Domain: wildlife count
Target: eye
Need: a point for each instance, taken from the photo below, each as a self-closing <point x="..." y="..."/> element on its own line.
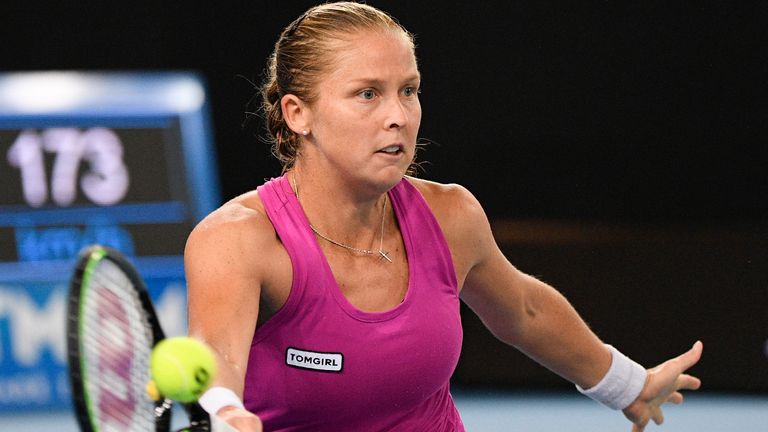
<point x="367" y="94"/>
<point x="411" y="91"/>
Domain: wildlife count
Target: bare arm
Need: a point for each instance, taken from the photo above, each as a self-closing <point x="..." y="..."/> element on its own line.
<point x="532" y="316"/>
<point x="223" y="297"/>
<point x="225" y="261"/>
<point x="538" y="320"/>
<point x="523" y="311"/>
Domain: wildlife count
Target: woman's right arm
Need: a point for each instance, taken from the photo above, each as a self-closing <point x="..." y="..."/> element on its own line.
<point x="226" y="260"/>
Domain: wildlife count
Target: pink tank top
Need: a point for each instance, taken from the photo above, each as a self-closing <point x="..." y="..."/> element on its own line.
<point x="320" y="364"/>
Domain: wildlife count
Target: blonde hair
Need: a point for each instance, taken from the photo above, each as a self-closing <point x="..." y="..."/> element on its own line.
<point x="302" y="54"/>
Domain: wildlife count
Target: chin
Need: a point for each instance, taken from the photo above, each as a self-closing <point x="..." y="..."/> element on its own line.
<point x="389" y="179"/>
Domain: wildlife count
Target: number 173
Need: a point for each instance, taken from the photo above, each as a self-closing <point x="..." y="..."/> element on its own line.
<point x="105" y="182"/>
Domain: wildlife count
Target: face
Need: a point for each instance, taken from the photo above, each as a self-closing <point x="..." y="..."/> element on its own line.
<point x="366" y="118"/>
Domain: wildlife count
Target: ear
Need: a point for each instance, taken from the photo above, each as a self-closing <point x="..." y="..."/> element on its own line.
<point x="296" y="113"/>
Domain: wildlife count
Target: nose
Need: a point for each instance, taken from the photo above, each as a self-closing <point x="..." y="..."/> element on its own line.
<point x="397" y="115"/>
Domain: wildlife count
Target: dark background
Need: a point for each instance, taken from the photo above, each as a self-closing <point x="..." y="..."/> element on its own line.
<point x="618" y="147"/>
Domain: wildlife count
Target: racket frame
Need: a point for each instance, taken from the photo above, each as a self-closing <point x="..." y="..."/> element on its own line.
<point x="84" y="267"/>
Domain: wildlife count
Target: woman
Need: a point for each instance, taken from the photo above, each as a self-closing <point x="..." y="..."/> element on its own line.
<point x="331" y="294"/>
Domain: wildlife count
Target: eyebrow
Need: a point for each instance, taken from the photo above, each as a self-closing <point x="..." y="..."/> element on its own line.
<point x="374" y="82"/>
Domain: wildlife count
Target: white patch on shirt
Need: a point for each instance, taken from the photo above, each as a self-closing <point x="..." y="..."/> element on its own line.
<point x="319" y="361"/>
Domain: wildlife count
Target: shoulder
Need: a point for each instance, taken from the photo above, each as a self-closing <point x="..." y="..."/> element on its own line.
<point x="452" y="204"/>
<point x="242" y="215"/>
<point x="233" y="233"/>
<point x="462" y="220"/>
<point x="439" y="194"/>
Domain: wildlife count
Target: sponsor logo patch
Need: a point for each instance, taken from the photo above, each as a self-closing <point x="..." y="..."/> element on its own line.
<point x="313" y="360"/>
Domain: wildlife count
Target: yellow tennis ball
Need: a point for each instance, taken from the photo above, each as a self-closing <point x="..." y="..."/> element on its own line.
<point x="182" y="368"/>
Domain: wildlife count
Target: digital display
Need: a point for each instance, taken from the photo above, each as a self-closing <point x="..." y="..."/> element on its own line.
<point x="120" y="159"/>
<point x="79" y="185"/>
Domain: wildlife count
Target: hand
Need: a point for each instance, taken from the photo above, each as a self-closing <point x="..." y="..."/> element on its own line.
<point x="240" y="419"/>
<point x="663" y="384"/>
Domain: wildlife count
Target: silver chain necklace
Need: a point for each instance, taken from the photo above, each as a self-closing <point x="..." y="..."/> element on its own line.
<point x="381" y="253"/>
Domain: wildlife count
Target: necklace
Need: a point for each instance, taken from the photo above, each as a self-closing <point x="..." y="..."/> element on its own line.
<point x="381" y="253"/>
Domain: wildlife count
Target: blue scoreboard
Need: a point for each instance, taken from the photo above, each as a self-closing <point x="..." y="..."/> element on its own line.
<point x="121" y="159"/>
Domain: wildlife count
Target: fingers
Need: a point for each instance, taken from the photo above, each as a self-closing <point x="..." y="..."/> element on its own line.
<point x="675" y="398"/>
<point x="658" y="416"/>
<point x="674" y="368"/>
<point x="639" y="427"/>
<point x="688" y="382"/>
<point x="691" y="357"/>
<point x="664" y="385"/>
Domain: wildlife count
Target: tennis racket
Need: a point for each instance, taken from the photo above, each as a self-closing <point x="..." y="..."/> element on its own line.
<point x="111" y="330"/>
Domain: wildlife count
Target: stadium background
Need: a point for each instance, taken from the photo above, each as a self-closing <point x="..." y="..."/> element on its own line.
<point x="618" y="148"/>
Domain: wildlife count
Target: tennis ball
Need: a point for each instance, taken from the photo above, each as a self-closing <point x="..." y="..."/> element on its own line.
<point x="182" y="368"/>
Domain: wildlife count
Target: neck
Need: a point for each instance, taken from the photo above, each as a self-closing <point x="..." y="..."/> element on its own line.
<point x="335" y="204"/>
<point x="379" y="252"/>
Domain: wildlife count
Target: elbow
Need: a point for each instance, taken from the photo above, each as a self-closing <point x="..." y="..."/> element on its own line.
<point x="512" y="328"/>
<point x="530" y="311"/>
<point x="520" y="327"/>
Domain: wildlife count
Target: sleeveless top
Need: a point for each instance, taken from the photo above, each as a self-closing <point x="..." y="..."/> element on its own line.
<point x="320" y="364"/>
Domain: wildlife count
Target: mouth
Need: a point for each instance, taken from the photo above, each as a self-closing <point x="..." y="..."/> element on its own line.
<point x="395" y="149"/>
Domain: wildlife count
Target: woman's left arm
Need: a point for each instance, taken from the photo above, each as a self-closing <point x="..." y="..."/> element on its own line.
<point x="532" y="316"/>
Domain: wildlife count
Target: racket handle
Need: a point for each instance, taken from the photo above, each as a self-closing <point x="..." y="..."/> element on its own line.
<point x="163" y="415"/>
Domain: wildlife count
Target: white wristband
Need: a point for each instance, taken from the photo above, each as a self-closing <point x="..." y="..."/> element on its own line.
<point x="621" y="385"/>
<point x="216" y="398"/>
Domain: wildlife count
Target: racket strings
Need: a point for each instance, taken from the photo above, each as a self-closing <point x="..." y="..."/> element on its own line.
<point x="116" y="342"/>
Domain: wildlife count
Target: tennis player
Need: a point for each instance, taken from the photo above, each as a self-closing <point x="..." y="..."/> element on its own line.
<point x="331" y="294"/>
